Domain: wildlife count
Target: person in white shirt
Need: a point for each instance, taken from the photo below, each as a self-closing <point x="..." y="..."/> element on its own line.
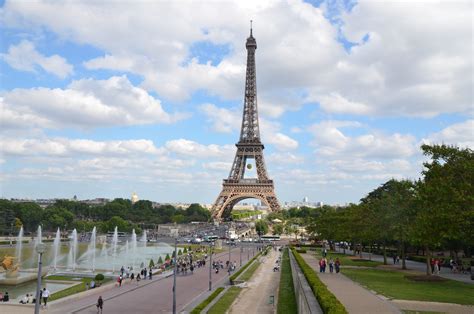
<point x="24" y="300"/>
<point x="45" y="296"/>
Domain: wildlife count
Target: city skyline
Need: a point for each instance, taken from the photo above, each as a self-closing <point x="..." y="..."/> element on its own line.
<point x="111" y="98"/>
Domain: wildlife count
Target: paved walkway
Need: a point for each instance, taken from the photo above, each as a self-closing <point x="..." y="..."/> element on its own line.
<point x="354" y="297"/>
<point x="254" y="298"/>
<point x="412" y="265"/>
<point x="150" y="296"/>
<point x="424" y="306"/>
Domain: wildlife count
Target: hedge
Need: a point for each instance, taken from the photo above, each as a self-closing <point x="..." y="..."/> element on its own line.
<point x="206" y="302"/>
<point x="328" y="302"/>
<point x="301" y="250"/>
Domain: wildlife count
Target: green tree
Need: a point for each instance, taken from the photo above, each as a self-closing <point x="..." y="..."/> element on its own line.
<point x="261" y="227"/>
<point x="151" y="264"/>
<point x="277" y="229"/>
<point x="167" y="258"/>
<point x="57" y="217"/>
<point x="160" y="260"/>
<point x="445" y="200"/>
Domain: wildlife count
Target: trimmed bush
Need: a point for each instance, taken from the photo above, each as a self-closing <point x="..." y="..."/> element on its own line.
<point x="160" y="261"/>
<point x="185" y="250"/>
<point x="152" y="264"/>
<point x="167" y="258"/>
<point x="206" y="302"/>
<point x="328" y="302"/>
<point x="301" y="251"/>
<point x="99" y="278"/>
<point x="180" y="252"/>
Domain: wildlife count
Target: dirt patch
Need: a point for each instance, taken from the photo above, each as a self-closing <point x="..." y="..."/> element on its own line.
<point x="425" y="278"/>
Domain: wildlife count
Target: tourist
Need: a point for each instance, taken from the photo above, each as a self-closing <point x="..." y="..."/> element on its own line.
<point x="45" y="297"/>
<point x="321" y="265"/>
<point x="122" y="270"/>
<point x="398" y="259"/>
<point x="6" y="297"/>
<point x="138" y="278"/>
<point x="337" y="263"/>
<point x="1" y="297"/>
<point x="132" y="276"/>
<point x="150" y="275"/>
<point x="29" y="298"/>
<point x="394" y="259"/>
<point x="331" y="265"/>
<point x="100" y="304"/>
<point x="24" y="300"/>
<point x="144" y="273"/>
<point x="92" y="284"/>
<point x="436" y="267"/>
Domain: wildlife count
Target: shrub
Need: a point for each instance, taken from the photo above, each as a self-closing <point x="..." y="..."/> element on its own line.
<point x="167" y="258"/>
<point x="301" y="251"/>
<point x="180" y="252"/>
<point x="160" y="260"/>
<point x="185" y="250"/>
<point x="152" y="264"/>
<point x="99" y="277"/>
<point x="206" y="302"/>
<point x="328" y="302"/>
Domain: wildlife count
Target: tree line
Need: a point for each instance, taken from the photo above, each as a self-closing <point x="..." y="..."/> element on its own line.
<point x="434" y="213"/>
<point x="66" y="214"/>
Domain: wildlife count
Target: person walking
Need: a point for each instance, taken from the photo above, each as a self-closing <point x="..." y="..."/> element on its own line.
<point x="337" y="263"/>
<point x="45" y="296"/>
<point x="100" y="304"/>
<point x="331" y="265"/>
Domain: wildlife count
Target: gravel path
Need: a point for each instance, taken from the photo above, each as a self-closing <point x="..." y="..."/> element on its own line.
<point x="254" y="298"/>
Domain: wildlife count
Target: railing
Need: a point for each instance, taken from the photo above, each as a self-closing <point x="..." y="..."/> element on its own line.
<point x="248" y="181"/>
<point x="305" y="300"/>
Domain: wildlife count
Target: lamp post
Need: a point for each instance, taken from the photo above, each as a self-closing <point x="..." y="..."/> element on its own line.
<point x="210" y="266"/>
<point x="40" y="249"/>
<point x="175" y="271"/>
<point x="228" y="266"/>
<point x="241" y="248"/>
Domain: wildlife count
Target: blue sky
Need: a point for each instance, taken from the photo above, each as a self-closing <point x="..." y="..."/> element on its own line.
<point x="103" y="99"/>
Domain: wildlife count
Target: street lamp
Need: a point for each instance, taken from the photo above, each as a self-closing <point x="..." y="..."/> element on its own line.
<point x="241" y="249"/>
<point x="228" y="266"/>
<point x="174" y="275"/>
<point x="210" y="266"/>
<point x="40" y="249"/>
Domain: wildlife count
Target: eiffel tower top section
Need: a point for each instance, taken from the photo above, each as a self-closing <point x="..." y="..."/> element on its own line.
<point x="250" y="131"/>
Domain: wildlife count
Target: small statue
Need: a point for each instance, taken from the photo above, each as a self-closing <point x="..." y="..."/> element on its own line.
<point x="9" y="266"/>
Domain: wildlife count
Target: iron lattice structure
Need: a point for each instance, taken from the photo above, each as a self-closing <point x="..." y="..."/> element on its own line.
<point x="236" y="188"/>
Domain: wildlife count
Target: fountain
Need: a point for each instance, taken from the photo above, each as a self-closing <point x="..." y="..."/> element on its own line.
<point x="72" y="256"/>
<point x="91" y="249"/>
<point x="134" y="247"/>
<point x="114" y="248"/>
<point x="19" y="245"/>
<point x="38" y="240"/>
<point x="56" y="243"/>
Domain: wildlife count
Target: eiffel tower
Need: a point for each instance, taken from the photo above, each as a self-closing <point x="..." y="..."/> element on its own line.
<point x="236" y="188"/>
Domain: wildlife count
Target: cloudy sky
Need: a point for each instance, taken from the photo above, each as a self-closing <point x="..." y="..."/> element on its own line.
<point x="103" y="98"/>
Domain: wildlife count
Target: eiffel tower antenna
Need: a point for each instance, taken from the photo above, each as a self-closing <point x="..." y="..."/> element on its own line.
<point x="237" y="188"/>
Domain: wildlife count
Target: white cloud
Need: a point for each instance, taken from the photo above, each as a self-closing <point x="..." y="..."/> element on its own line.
<point x="459" y="134"/>
<point x="223" y="120"/>
<point x="77" y="147"/>
<point x="197" y="150"/>
<point x="84" y="103"/>
<point x="25" y="57"/>
<point x="331" y="141"/>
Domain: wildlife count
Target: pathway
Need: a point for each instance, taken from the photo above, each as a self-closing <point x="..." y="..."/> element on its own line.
<point x="412" y="265"/>
<point x="354" y="297"/>
<point x="255" y="296"/>
<point x="150" y="296"/>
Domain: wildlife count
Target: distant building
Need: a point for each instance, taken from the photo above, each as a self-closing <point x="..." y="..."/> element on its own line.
<point x="134" y="198"/>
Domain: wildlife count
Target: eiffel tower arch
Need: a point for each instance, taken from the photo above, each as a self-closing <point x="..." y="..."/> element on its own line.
<point x="249" y="148"/>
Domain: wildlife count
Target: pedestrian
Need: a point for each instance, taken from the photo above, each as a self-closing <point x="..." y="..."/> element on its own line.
<point x="331" y="265"/>
<point x="436" y="267"/>
<point x="138" y="278"/>
<point x="132" y="276"/>
<point x="45" y="296"/>
<point x="394" y="259"/>
<point x="100" y="304"/>
<point x="120" y="280"/>
<point x="150" y="275"/>
<point x="321" y="265"/>
<point x="337" y="263"/>
<point x="144" y="273"/>
<point x="6" y="297"/>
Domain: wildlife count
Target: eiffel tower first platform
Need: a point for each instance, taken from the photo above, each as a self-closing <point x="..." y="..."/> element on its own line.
<point x="236" y="188"/>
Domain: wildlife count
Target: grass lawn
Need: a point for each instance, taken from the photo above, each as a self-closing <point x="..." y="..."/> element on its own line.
<point x="394" y="284"/>
<point x="286" y="294"/>
<point x="225" y="301"/>
<point x="206" y="302"/>
<point x="71" y="290"/>
<point x="348" y="260"/>
<point x="249" y="271"/>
